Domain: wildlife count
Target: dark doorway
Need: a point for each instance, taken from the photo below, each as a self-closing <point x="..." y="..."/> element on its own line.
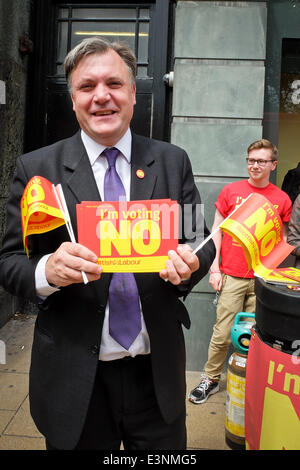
<point x="289" y="115"/>
<point x="59" y="26"/>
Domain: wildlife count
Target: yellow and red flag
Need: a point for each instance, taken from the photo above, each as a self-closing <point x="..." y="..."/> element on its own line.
<point x="40" y="210"/>
<point x="257" y="226"/>
<point x="279" y="275"/>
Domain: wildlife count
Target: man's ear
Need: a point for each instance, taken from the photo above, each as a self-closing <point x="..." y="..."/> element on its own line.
<point x="134" y="93"/>
<point x="73" y="103"/>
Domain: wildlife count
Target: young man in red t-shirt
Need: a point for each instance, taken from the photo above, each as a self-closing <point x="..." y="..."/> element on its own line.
<point x="232" y="277"/>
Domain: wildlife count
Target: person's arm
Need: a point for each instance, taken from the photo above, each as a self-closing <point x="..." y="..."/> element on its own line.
<point x="17" y="271"/>
<point x="285" y="226"/>
<point x="42" y="287"/>
<point x="293" y="236"/>
<point x="215" y="278"/>
<point x="184" y="268"/>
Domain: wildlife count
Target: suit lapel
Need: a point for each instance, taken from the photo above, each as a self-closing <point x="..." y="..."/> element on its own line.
<point x="80" y="177"/>
<point x="81" y="181"/>
<point x="142" y="182"/>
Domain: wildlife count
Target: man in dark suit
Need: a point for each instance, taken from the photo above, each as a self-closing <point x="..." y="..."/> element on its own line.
<point x="87" y="391"/>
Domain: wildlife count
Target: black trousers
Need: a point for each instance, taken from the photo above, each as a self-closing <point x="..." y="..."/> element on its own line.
<point x="123" y="408"/>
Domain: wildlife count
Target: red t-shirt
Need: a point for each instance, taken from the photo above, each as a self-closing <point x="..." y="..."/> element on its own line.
<point x="233" y="261"/>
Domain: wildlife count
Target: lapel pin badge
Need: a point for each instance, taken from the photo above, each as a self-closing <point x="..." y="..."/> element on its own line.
<point x="140" y="174"/>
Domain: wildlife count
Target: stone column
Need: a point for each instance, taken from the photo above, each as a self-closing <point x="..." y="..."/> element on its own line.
<point x="14" y="24"/>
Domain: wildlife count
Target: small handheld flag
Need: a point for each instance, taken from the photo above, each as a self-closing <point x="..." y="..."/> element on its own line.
<point x="257" y="226"/>
<point x="43" y="208"/>
<point x="40" y="212"/>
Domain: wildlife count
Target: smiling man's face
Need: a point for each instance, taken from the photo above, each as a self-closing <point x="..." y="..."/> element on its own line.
<point x="103" y="96"/>
<point x="260" y="174"/>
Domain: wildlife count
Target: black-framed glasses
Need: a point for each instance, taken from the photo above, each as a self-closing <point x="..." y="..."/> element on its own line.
<point x="252" y="161"/>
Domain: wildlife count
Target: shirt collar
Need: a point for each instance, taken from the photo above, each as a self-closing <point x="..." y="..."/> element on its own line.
<point x="94" y="149"/>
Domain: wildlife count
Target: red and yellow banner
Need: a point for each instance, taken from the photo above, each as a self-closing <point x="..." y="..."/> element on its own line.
<point x="129" y="236"/>
<point x="272" y="400"/>
<point x="40" y="211"/>
<point x="257" y="226"/>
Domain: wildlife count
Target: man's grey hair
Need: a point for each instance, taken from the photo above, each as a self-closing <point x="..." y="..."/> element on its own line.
<point x="96" y="45"/>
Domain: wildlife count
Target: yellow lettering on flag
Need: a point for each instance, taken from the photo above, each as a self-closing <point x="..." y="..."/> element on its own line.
<point x="258" y="218"/>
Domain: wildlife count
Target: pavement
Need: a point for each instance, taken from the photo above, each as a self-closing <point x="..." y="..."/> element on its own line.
<point x="205" y="422"/>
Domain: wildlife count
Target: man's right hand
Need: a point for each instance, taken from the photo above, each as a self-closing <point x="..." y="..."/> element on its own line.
<point x="65" y="266"/>
<point x="215" y="280"/>
<point x="215" y="277"/>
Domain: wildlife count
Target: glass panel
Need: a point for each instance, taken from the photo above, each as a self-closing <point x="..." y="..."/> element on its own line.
<point x="62" y="41"/>
<point x="113" y="31"/>
<point x="143" y="42"/>
<point x="126" y="13"/>
<point x="63" y="13"/>
<point x="144" y="13"/>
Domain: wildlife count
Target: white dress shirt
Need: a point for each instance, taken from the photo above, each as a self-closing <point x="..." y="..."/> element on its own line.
<point x="109" y="349"/>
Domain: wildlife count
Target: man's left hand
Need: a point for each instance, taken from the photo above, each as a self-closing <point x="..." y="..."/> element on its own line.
<point x="182" y="263"/>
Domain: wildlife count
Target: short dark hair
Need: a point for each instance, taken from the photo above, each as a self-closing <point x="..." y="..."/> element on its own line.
<point x="264" y="144"/>
<point x="97" y="45"/>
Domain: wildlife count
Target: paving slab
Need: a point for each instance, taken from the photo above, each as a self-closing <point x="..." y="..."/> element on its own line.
<point x="13" y="390"/>
<point x="205" y="422"/>
<point x="5" y="418"/>
<point x="22" y="424"/>
<point x="21" y="443"/>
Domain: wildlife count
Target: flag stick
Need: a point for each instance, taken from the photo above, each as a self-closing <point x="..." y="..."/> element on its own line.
<point x="206" y="240"/>
<point x="71" y="234"/>
<point x="218" y="228"/>
<point x="64" y="209"/>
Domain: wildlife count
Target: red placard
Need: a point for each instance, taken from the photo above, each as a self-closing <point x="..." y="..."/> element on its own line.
<point x="129" y="236"/>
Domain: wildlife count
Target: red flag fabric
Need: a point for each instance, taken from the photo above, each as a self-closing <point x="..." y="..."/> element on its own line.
<point x="257" y="226"/>
<point x="40" y="211"/>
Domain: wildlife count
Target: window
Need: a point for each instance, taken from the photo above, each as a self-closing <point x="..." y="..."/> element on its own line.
<point x="129" y="25"/>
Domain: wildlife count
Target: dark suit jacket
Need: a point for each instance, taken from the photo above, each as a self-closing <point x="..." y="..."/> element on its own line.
<point x="68" y="327"/>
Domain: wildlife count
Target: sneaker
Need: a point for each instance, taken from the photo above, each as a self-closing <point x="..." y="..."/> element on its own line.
<point x="205" y="388"/>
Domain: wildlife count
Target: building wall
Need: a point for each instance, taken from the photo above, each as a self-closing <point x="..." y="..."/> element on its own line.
<point x="14" y="22"/>
<point x="218" y="98"/>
